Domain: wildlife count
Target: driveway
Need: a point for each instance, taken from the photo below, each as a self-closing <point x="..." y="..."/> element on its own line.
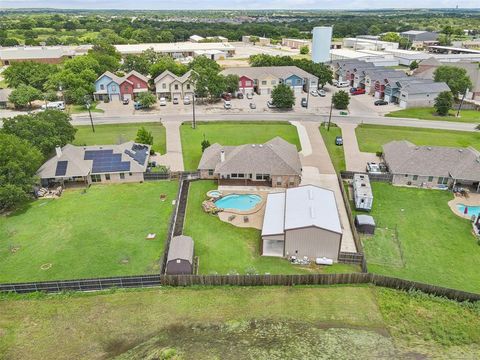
<point x="317" y="169"/>
<point x="355" y="160"/>
<point x="173" y="157"/>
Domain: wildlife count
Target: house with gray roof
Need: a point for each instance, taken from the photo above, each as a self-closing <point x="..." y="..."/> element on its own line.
<point x="180" y="256"/>
<point x="85" y="165"/>
<point x="275" y="163"/>
<point x="432" y="166"/>
<point x="302" y="222"/>
<point x="421" y="93"/>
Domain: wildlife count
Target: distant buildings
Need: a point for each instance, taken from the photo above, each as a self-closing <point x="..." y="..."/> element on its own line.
<point x="296" y="43"/>
<point x="42" y="54"/>
<point x="112" y="87"/>
<point x="263" y="41"/>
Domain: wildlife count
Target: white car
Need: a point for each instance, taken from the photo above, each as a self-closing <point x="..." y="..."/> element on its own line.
<point x="322" y="93"/>
<point x="314" y="93"/>
<point x="227" y="104"/>
<point x="186" y="100"/>
<point x="342" y="84"/>
<point x="163" y="101"/>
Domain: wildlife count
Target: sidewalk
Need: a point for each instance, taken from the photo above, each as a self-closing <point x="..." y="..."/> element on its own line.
<point x="317" y="169"/>
<point x="355" y="160"/>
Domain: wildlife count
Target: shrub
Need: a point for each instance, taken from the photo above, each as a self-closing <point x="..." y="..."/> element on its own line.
<point x="341" y="100"/>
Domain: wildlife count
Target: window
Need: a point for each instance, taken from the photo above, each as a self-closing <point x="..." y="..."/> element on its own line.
<point x="241" y="176"/>
<point x="415" y="177"/>
<point x="291" y="181"/>
<point x="96" y="178"/>
<point x="164" y="86"/>
<point x="406" y="175"/>
<point x="279" y="180"/>
<point x="248" y="83"/>
<point x="122" y="176"/>
<point x="430" y="178"/>
<point x="107" y="176"/>
<point x="233" y="176"/>
<point x="188" y="86"/>
<point x="129" y="174"/>
<point x="102" y="87"/>
<point x="126" y="88"/>
<point x="442" y="181"/>
<point x="273" y="82"/>
<point x="114" y="88"/>
<point x="264" y="82"/>
<point x="176" y="86"/>
<point x="299" y="81"/>
<point x="138" y="85"/>
<point x="210" y="172"/>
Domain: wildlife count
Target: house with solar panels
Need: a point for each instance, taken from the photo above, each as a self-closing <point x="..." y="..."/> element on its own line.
<point x="85" y="165"/>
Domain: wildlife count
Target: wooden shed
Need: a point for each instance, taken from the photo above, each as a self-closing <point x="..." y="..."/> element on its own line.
<point x="180" y="256"/>
<point x="365" y="224"/>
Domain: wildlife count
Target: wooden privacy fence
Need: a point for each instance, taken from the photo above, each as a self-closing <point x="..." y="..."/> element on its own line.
<point x="144" y="281"/>
<point x="383" y="177"/>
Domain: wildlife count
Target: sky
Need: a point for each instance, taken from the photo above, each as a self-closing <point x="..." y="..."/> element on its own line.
<point x="237" y="4"/>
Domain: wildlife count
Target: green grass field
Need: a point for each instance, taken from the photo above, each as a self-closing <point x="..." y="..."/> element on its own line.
<point x="98" y="233"/>
<point x="372" y="137"/>
<point x="223" y="248"/>
<point x="336" y="152"/>
<point x="77" y="109"/>
<point x="426" y="113"/>
<point x="238" y="322"/>
<point x="117" y="133"/>
<point x="438" y="246"/>
<point x="231" y="133"/>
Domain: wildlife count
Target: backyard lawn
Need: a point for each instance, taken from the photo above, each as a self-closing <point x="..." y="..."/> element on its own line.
<point x="97" y="233"/>
<point x="434" y="245"/>
<point x="427" y="113"/>
<point x="372" y="137"/>
<point x="223" y="248"/>
<point x="118" y="133"/>
<point x="336" y="152"/>
<point x="231" y="133"/>
<point x="259" y="323"/>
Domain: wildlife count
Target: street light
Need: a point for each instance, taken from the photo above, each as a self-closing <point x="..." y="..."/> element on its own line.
<point x="88" y="105"/>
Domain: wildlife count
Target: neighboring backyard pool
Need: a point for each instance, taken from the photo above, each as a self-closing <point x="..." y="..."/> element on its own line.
<point x="241" y="202"/>
<point x="472" y="210"/>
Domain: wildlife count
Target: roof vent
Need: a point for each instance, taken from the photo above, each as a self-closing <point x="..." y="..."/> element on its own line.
<point x="312" y="212"/>
<point x="260" y="145"/>
<point x="460" y="150"/>
<point x="429" y="148"/>
<point x="253" y="145"/>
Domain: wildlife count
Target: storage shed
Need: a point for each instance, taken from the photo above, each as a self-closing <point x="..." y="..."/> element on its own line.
<point x="362" y="192"/>
<point x="180" y="256"/>
<point x="365" y="224"/>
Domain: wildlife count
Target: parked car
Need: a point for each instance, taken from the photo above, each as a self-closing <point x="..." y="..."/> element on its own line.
<point x="240" y="95"/>
<point x="137" y="106"/>
<point x="373" y="168"/>
<point x="227" y="96"/>
<point x="342" y="84"/>
<point x="270" y="104"/>
<point x="322" y="93"/>
<point x="163" y="101"/>
<point x="304" y="102"/>
<point x="380" y="102"/>
<point x="339" y="141"/>
<point x="252" y="105"/>
<point x="249" y="96"/>
<point x="186" y="100"/>
<point x="314" y="93"/>
<point x="175" y="101"/>
<point x="227" y="104"/>
<point x="358" y="92"/>
<point x="126" y="101"/>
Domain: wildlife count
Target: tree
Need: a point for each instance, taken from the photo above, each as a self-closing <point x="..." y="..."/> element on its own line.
<point x="391" y="37"/>
<point x="304" y="50"/>
<point x="136" y="62"/>
<point x="44" y="130"/>
<point x="374" y="30"/>
<point x="19" y="162"/>
<point x="443" y="103"/>
<point x="444" y="40"/>
<point x="146" y="99"/>
<point x="341" y="100"/>
<point x="24" y="95"/>
<point x="29" y="73"/>
<point x="283" y="96"/>
<point x="414" y="65"/>
<point x="456" y="78"/>
<point x="167" y="63"/>
<point x="107" y="57"/>
<point x="231" y="83"/>
<point x="404" y="43"/>
<point x="206" y="78"/>
<point x="144" y="136"/>
<point x="205" y="143"/>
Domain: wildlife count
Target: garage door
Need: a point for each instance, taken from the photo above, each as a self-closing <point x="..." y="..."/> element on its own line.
<point x="115" y="97"/>
<point x="387" y="98"/>
<point x="403" y="104"/>
<point x="127" y="96"/>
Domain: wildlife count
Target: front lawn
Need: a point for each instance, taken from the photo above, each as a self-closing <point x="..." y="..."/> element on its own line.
<point x="336" y="152"/>
<point x="77" y="109"/>
<point x="438" y="247"/>
<point x="223" y="248"/>
<point x="118" y="133"/>
<point x="97" y="233"/>
<point x="427" y="113"/>
<point x="231" y="133"/>
<point x="372" y="137"/>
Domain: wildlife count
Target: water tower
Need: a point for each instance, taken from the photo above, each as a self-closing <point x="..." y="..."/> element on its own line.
<point x="321" y="43"/>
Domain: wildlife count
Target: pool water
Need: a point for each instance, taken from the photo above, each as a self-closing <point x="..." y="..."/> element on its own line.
<point x="242" y="202"/>
<point x="472" y="210"/>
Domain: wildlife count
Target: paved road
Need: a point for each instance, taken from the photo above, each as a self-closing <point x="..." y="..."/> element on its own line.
<point x="280" y="116"/>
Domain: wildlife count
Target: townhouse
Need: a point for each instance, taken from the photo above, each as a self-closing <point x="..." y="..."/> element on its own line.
<point x="111" y="87"/>
<point x="170" y="86"/>
<point x="263" y="79"/>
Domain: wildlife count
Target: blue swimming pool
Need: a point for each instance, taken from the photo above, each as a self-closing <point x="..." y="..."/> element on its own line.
<point x="241" y="202"/>
<point x="472" y="210"/>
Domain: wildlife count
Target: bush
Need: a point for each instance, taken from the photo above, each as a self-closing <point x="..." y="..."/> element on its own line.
<point x="304" y="50"/>
<point x="144" y="136"/>
<point x="341" y="100"/>
<point x="283" y="96"/>
<point x="146" y="99"/>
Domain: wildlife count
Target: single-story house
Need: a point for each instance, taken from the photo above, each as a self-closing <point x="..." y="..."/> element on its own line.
<point x="432" y="166"/>
<point x="4" y="95"/>
<point x="126" y="162"/>
<point x="180" y="256"/>
<point x="113" y="87"/>
<point x="169" y="85"/>
<point x="421" y="93"/>
<point x="275" y="163"/>
<point x="302" y="221"/>
<point x="265" y="78"/>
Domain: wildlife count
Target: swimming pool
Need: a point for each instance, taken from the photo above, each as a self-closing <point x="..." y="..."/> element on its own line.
<point x="241" y="202"/>
<point x="472" y="210"/>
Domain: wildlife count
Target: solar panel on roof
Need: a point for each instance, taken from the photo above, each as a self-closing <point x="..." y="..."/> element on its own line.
<point x="105" y="161"/>
<point x="61" y="169"/>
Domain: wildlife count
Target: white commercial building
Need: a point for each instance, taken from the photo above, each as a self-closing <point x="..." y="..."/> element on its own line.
<point x="368" y="44"/>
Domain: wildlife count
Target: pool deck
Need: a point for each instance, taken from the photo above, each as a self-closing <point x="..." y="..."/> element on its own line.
<point x="473" y="199"/>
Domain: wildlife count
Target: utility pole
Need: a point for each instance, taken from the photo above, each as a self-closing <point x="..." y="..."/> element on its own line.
<point x="194" y="125"/>
<point x="461" y="102"/>
<point x="330" y="116"/>
<point x="308" y="93"/>
<point x="88" y="105"/>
